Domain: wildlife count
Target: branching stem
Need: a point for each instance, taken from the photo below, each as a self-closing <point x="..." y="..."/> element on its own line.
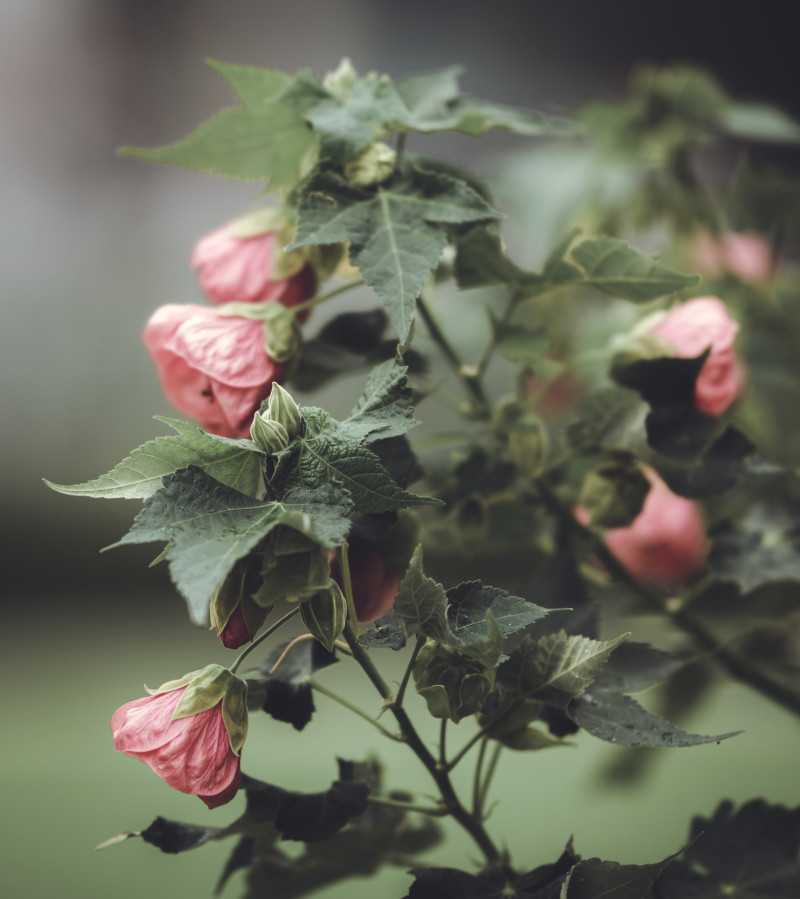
<point x="321" y="688"/>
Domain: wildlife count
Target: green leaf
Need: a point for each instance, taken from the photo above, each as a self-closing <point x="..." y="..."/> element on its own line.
<point x="556" y="668"/>
<point x="210" y="526"/>
<point x="395" y="234"/>
<point x="255" y="87"/>
<point x="268" y="143"/>
<point x="470" y="604"/>
<point x="760" y="122"/>
<point x="519" y="344"/>
<point x="386" y="633"/>
<point x="384" y="409"/>
<point x="632" y="667"/>
<point x="421" y="602"/>
<point x="139" y="474"/>
<point x="616" y="718"/>
<point x="745" y="854"/>
<point x="609" y="419"/>
<point x="614" y="267"/>
<point x="425" y="94"/>
<point x="474" y="117"/>
<point x="481" y="261"/>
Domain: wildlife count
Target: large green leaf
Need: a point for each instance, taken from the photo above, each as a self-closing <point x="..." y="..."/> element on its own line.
<point x="254" y="86"/>
<point x="395" y="234"/>
<point x="139" y="474"/>
<point x="556" y="668"/>
<point x="267" y="143"/>
<point x="210" y="526"/>
<point x="384" y="409"/>
<point x="471" y="603"/>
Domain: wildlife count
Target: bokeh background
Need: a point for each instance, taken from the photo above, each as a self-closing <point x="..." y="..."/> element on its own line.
<point x="91" y="244"/>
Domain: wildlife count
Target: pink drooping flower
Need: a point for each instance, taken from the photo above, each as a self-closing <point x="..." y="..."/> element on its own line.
<point x="190" y="732"/>
<point x="212" y="366"/>
<point x="374" y="584"/>
<point x="745" y="254"/>
<point x="666" y="544"/>
<point x="694" y="327"/>
<point x="232" y="269"/>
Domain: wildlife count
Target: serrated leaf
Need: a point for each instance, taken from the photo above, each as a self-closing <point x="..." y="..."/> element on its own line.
<point x="386" y="633"/>
<point x="384" y="409"/>
<point x="556" y="668"/>
<point x="752" y="852"/>
<point x="254" y="86"/>
<point x="481" y="261"/>
<point x="421" y="602"/>
<point x="139" y="474"/>
<point x="395" y="234"/>
<point x="632" y="667"/>
<point x="210" y="527"/>
<point x="616" y="718"/>
<point x="616" y="268"/>
<point x="265" y="143"/>
<point x="596" y="879"/>
<point x="470" y="604"/>
<point x="519" y="344"/>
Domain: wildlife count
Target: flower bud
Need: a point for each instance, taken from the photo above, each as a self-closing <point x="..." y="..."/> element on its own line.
<point x="527" y="444"/>
<point x="325" y="615"/>
<point x="282" y="336"/>
<point x="614" y="492"/>
<point x="269" y="435"/>
<point x="452" y="684"/>
<point x="234" y="614"/>
<point x="284" y="410"/>
<point x="371" y="166"/>
<point x="341" y="80"/>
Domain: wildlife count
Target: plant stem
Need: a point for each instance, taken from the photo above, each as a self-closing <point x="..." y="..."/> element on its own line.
<point x="421" y="640"/>
<point x="344" y="565"/>
<point x="487" y="780"/>
<point x="443" y="744"/>
<point x="469" y="378"/>
<point x="320" y="688"/>
<point x="735" y="664"/>
<point x="324" y="297"/>
<point x="267" y="633"/>
<point x="479" y="735"/>
<point x="400" y="147"/>
<point x="449" y="798"/>
<point x="476" y="780"/>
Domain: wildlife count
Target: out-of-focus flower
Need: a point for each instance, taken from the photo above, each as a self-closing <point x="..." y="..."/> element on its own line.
<point x="212" y="366"/>
<point x="190" y="732"/>
<point x="374" y="584"/>
<point x="745" y="254"/>
<point x="692" y="328"/>
<point x="666" y="545"/>
<point x="242" y="269"/>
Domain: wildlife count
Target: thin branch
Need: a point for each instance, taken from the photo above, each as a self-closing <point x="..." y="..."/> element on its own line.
<point x="320" y="688"/>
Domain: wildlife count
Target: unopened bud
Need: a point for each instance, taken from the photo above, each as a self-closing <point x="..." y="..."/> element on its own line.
<point x="614" y="492"/>
<point x="452" y="684"/>
<point x="527" y="444"/>
<point x="282" y="337"/>
<point x="284" y="410"/>
<point x="325" y="615"/>
<point x="270" y="435"/>
<point x="371" y="166"/>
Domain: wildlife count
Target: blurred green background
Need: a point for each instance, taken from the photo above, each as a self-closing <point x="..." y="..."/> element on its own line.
<point x="91" y="245"/>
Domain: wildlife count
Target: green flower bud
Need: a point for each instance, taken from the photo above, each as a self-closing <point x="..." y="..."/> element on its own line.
<point x="284" y="410"/>
<point x="452" y="684"/>
<point x="614" y="492"/>
<point x="270" y="435"/>
<point x="282" y="336"/>
<point x="371" y="166"/>
<point x="341" y="81"/>
<point x="325" y="615"/>
<point x="527" y="444"/>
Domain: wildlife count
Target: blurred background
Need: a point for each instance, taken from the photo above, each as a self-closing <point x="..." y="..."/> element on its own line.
<point x="93" y="243"/>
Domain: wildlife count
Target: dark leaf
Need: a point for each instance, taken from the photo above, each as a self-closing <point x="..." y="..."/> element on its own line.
<point x="241" y="857"/>
<point x="470" y="603"/>
<point x="317" y="816"/>
<point x="386" y="633"/>
<point x="593" y="879"/>
<point x="174" y="837"/>
<point x="636" y="666"/>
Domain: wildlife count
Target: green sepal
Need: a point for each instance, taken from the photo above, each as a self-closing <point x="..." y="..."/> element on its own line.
<point x="241" y="582"/>
<point x="453" y="684"/>
<point x="283" y="410"/>
<point x="325" y="615"/>
<point x="271" y="436"/>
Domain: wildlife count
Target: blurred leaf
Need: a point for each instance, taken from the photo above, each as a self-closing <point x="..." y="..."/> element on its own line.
<point x="174" y="836"/>
<point x="395" y="234"/>
<point x="254" y="86"/>
<point x="632" y="667"/>
<point x="519" y="344"/>
<point x="593" y="879"/>
<point x="481" y="261"/>
<point x="760" y="122"/>
<point x="752" y="852"/>
<point x="139" y="474"/>
<point x="609" y="419"/>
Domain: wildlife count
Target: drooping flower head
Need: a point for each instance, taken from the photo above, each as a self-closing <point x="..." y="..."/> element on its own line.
<point x="190" y="732"/>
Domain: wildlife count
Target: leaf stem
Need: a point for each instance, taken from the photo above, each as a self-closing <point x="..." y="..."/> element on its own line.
<point x="329" y="295"/>
<point x="421" y="640"/>
<point x="449" y="798"/>
<point x="321" y="688"/>
<point x="443" y="743"/>
<point x="400" y="147"/>
<point x="267" y="633"/>
<point x="469" y="377"/>
<point x="344" y="565"/>
<point x="736" y="665"/>
<point x="479" y="735"/>
<point x="487" y="780"/>
<point x="476" y="780"/>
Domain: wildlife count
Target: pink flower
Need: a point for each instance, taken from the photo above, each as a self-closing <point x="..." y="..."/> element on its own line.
<point x="212" y="366"/>
<point x="692" y="328"/>
<point x="234" y="633"/>
<point x="233" y="269"/>
<point x="190" y="732"/>
<point x="374" y="585"/>
<point x="666" y="544"/>
<point x="745" y="254"/>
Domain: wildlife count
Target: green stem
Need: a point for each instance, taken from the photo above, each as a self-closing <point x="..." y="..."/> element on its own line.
<point x="434" y="812"/>
<point x="400" y="147"/>
<point x="320" y="688"/>
<point x="344" y="565"/>
<point x="324" y="297"/>
<point x="469" y="378"/>
<point x="267" y="633"/>
<point x="450" y="800"/>
<point x="735" y="664"/>
<point x="476" y="780"/>
<point x="487" y="781"/>
<point x="479" y="735"/>
<point x="443" y="744"/>
<point x="421" y="641"/>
